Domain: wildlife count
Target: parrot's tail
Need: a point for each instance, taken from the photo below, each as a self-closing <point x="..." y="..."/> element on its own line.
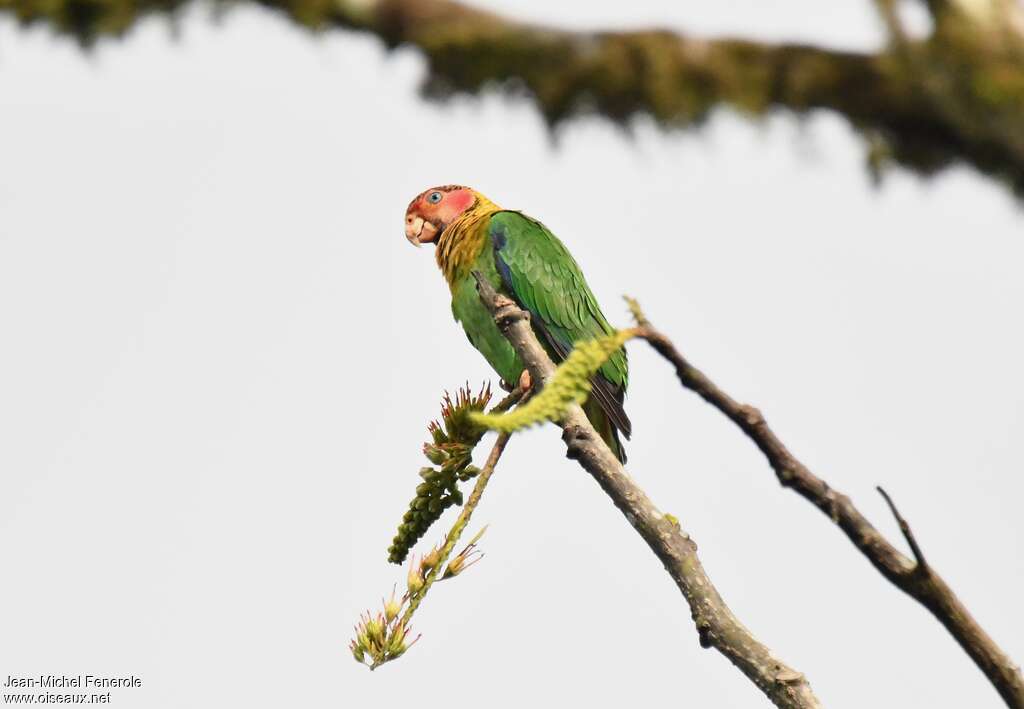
<point x="604" y="426"/>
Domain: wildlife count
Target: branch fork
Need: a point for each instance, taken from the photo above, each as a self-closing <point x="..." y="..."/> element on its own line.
<point x="913" y="576"/>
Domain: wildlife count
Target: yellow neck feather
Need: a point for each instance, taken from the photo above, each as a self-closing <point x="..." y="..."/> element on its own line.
<point x="462" y="240"/>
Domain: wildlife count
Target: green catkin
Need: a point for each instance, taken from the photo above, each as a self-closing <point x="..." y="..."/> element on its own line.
<point x="570" y="384"/>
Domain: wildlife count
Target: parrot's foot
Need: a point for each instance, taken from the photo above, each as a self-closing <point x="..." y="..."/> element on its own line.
<point x="524" y="384"/>
<point x="525" y="381"/>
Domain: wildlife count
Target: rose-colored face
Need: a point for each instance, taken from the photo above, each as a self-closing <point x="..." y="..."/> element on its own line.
<point x="433" y="210"/>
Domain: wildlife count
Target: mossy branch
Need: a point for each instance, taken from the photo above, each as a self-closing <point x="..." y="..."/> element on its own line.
<point x="956" y="96"/>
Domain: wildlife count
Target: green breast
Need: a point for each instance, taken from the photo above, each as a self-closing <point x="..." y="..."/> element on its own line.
<point x="478" y="323"/>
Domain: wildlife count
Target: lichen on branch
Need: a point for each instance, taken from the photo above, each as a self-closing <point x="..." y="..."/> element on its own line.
<point x="956" y="96"/>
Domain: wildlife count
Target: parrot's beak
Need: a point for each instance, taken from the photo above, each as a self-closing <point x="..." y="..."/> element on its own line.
<point x="418" y="231"/>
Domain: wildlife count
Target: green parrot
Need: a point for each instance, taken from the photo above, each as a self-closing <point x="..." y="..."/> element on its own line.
<point x="527" y="263"/>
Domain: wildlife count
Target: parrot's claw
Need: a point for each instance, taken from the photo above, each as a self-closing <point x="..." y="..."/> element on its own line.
<point x="524" y="384"/>
<point x="525" y="381"/>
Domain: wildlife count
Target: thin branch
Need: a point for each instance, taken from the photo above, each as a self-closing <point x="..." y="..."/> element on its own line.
<point x="919" y="581"/>
<point x="460" y="524"/>
<point x="922" y="565"/>
<point x="381" y="638"/>
<point x="511" y="399"/>
<point x="717" y="627"/>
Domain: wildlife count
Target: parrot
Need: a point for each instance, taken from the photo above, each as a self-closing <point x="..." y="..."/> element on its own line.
<point x="525" y="262"/>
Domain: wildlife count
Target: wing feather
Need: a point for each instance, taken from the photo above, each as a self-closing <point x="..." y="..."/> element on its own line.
<point x="542" y="276"/>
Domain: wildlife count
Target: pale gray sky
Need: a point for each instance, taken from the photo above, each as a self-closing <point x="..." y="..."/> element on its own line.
<point x="220" y="354"/>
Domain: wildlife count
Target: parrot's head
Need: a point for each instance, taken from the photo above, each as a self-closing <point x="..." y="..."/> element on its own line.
<point x="433" y="210"/>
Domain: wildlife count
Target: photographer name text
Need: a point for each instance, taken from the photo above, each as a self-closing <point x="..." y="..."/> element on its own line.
<point x="71" y="682"/>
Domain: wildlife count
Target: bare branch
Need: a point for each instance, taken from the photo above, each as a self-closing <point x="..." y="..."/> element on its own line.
<point x="918" y="580"/>
<point x="922" y="565"/>
<point x="717" y="627"/>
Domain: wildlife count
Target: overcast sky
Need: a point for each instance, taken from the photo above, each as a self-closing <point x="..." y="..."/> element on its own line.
<point x="219" y="356"/>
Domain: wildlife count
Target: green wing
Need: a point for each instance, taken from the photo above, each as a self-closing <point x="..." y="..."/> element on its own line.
<point x="543" y="277"/>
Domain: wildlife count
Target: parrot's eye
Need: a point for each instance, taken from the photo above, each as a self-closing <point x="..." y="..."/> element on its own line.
<point x="434" y="197"/>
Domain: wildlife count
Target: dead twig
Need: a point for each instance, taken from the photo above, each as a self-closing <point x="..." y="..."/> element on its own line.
<point x="913" y="576"/>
